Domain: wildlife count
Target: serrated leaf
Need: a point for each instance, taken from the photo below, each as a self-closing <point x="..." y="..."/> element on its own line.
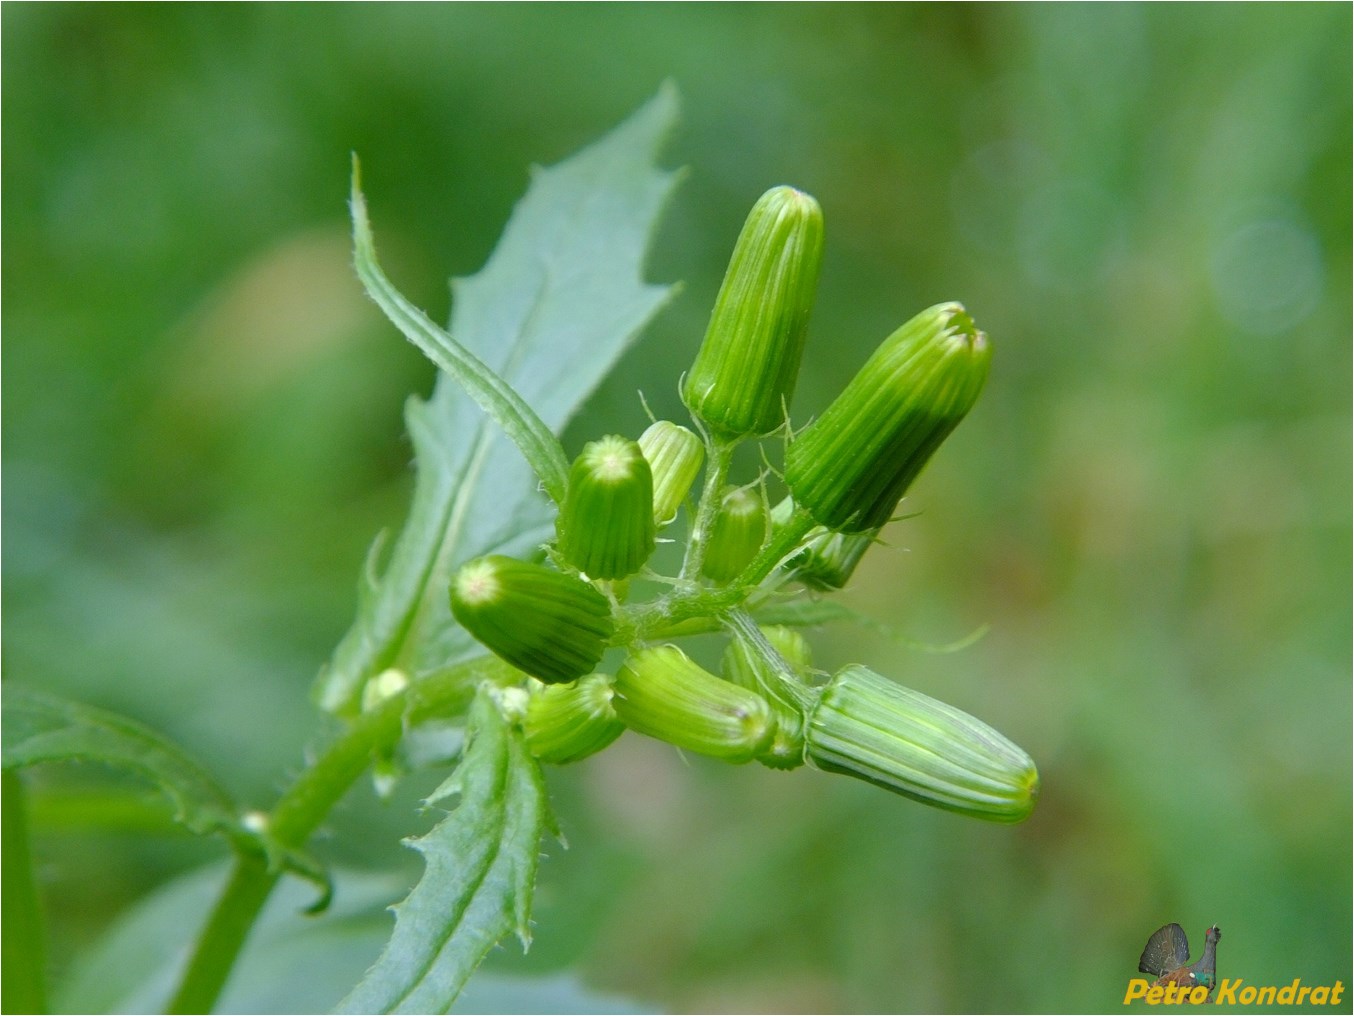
<point x="44" y="728"/>
<point x="477" y="884"/>
<point x="291" y="963"/>
<point x="558" y="301"/>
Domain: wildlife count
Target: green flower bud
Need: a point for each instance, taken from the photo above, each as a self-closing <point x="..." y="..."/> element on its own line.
<point x="850" y="467"/>
<point x="661" y="693"/>
<point x="568" y="722"/>
<point x="745" y="372"/>
<point x="747" y="669"/>
<point x="606" y="525"/>
<point x="674" y="455"/>
<point x="868" y="727"/>
<point x="552" y="626"/>
<point x="830" y="559"/>
<point x="737" y="533"/>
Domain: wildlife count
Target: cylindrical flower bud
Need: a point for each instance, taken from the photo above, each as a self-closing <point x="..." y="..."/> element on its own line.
<point x="661" y="693"/>
<point x="851" y="465"/>
<point x="830" y="559"/>
<point x="552" y="626"/>
<point x="868" y="727"/>
<point x="745" y="668"/>
<point x="745" y="372"/>
<point x="568" y="722"/>
<point x="606" y="524"/>
<point x="674" y="455"/>
<point x="737" y="533"/>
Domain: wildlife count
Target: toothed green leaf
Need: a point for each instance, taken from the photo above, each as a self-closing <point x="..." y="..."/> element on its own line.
<point x="540" y="325"/>
<point x="477" y="884"/>
<point x="44" y="728"/>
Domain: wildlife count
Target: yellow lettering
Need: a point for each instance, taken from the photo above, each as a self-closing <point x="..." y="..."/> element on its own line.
<point x="1265" y="996"/>
<point x="1320" y="994"/>
<point x="1137" y="988"/>
<point x="1248" y="995"/>
<point x="1227" y="990"/>
<point x="1287" y="992"/>
<point x="1198" y="994"/>
<point x="1154" y="994"/>
<point x="1335" y="992"/>
<point x="1302" y="994"/>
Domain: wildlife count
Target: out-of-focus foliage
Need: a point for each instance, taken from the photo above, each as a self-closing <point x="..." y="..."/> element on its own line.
<point x="1146" y="208"/>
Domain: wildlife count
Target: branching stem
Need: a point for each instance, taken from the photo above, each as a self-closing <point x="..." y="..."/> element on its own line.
<point x="300" y="810"/>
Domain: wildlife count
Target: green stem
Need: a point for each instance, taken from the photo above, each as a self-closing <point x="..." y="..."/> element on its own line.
<point x="300" y="810"/>
<point x="718" y="460"/>
<point x="21" y="931"/>
<point x="783" y="541"/>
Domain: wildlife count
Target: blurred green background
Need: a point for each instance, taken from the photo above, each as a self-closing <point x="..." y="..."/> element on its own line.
<point x="1147" y="209"/>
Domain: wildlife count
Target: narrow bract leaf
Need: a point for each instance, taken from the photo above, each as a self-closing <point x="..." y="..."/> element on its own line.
<point x="44" y="728"/>
<point x="476" y="888"/>
<point x="494" y="395"/>
<point x="556" y="304"/>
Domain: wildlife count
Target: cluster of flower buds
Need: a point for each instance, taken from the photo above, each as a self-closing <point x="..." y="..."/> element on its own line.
<point x="845" y="473"/>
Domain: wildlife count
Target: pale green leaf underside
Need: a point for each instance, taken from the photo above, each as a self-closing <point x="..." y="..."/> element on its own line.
<point x="43" y="728"/>
<point x="557" y="302"/>
<point x="476" y="887"/>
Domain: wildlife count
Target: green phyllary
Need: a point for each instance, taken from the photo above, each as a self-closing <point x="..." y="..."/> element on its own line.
<point x="866" y="726"/>
<point x="552" y="626"/>
<point x="674" y="455"/>
<point x="745" y="373"/>
<point x="850" y="467"/>
<point x="662" y="693"/>
<point x="606" y="526"/>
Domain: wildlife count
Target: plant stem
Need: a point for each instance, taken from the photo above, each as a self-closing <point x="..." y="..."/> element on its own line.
<point x="25" y="959"/>
<point x="718" y="460"/>
<point x="297" y="814"/>
<point x="782" y="542"/>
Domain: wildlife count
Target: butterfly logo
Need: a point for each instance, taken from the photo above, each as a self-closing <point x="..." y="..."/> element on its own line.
<point x="1167" y="958"/>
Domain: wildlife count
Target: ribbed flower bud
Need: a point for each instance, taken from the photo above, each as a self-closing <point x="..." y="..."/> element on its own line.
<point x="747" y="669"/>
<point x="830" y="559"/>
<point x="568" y="722"/>
<point x="674" y="455"/>
<point x="850" y="466"/>
<point x="737" y="533"/>
<point x="868" y="727"/>
<point x="606" y="524"/>
<point x="661" y="693"/>
<point x="552" y="626"/>
<point x="745" y="372"/>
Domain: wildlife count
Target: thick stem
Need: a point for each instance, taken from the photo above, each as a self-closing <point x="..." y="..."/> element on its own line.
<point x="297" y="814"/>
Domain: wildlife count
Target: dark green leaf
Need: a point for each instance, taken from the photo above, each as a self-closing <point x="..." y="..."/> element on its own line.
<point x="556" y="304"/>
<point x="43" y="728"/>
<point x="476" y="888"/>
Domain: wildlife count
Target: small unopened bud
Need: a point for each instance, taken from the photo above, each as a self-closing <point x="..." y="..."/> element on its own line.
<point x="850" y="466"/>
<point x="745" y="372"/>
<point x="748" y="669"/>
<point x="606" y="525"/>
<point x="830" y="559"/>
<point x="568" y="722"/>
<point x="552" y="626"/>
<point x="674" y="455"/>
<point x="661" y="693"/>
<point x="868" y="727"/>
<point x="385" y="685"/>
<point x="738" y="531"/>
